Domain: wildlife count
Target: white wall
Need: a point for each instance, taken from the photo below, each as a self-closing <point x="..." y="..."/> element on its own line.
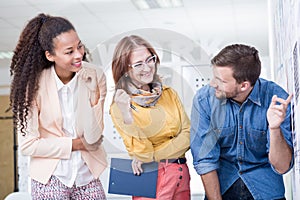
<point x="4" y="76"/>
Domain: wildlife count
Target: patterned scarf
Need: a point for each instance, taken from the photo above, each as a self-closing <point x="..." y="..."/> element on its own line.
<point x="146" y="98"/>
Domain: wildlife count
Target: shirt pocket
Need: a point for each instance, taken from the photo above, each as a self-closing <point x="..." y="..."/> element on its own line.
<point x="256" y="140"/>
<point x="226" y="137"/>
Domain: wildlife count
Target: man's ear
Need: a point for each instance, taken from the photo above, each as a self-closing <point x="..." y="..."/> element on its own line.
<point x="245" y="86"/>
<point x="49" y="56"/>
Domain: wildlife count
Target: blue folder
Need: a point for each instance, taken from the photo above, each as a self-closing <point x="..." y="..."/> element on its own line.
<point x="123" y="181"/>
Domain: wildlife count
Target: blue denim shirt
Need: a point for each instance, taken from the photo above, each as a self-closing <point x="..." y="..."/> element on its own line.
<point x="234" y="139"/>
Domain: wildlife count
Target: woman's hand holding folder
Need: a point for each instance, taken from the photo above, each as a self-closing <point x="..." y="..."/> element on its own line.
<point x="137" y="166"/>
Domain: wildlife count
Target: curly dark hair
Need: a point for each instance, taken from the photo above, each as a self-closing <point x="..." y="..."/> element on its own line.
<point x="29" y="61"/>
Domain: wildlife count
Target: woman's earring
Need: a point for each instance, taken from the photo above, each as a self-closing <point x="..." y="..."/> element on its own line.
<point x="126" y="75"/>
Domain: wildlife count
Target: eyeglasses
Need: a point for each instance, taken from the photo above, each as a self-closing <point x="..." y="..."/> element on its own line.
<point x="149" y="62"/>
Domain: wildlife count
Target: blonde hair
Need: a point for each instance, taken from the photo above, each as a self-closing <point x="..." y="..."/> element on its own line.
<point x="121" y="59"/>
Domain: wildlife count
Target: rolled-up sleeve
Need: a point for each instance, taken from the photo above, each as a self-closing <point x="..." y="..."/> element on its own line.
<point x="286" y="130"/>
<point x="204" y="146"/>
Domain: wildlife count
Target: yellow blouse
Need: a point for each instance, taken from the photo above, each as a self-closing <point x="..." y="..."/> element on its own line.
<point x="158" y="132"/>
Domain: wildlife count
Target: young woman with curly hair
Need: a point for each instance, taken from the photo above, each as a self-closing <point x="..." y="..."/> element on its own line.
<point x="57" y="101"/>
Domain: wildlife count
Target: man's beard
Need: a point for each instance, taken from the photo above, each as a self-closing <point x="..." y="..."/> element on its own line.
<point x="223" y="95"/>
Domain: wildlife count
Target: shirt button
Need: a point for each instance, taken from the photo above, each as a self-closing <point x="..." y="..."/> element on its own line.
<point x="240" y="172"/>
<point x="241" y="142"/>
<point x="241" y="162"/>
<point x="241" y="126"/>
<point x="180" y="168"/>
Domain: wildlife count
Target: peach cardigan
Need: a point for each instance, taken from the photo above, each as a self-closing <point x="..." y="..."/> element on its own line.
<point x="45" y="142"/>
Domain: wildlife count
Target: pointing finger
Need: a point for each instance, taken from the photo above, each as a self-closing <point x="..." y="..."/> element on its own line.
<point x="273" y="102"/>
<point x="288" y="100"/>
<point x="284" y="101"/>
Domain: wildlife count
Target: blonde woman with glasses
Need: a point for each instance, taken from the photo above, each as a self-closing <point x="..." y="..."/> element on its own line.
<point x="150" y="118"/>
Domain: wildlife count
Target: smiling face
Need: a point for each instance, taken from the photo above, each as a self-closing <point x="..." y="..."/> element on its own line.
<point x="143" y="74"/>
<point x="68" y="53"/>
<point x="224" y="83"/>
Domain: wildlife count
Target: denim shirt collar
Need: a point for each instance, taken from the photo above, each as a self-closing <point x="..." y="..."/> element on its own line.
<point x="255" y="94"/>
